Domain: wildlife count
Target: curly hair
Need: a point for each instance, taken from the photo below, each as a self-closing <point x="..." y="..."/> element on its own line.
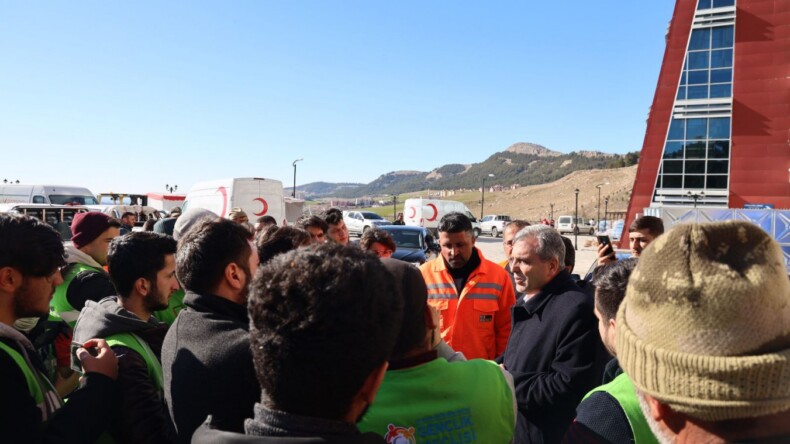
<point x="333" y="216"/>
<point x="330" y="311"/>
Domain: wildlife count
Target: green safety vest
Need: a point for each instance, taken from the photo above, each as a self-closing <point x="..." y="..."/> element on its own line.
<point x="622" y="389"/>
<point x="134" y="342"/>
<point x="60" y="304"/>
<point x="442" y="402"/>
<point x="39" y="387"/>
<point x="174" y="306"/>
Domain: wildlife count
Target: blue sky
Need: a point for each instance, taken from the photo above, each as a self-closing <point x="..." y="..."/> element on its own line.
<point x="129" y="96"/>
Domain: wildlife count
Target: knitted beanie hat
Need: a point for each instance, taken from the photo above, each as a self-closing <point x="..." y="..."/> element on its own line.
<point x="705" y="323"/>
<point x="191" y="218"/>
<point x="85" y="227"/>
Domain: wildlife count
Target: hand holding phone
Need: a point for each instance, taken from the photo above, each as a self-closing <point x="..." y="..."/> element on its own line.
<point x="605" y="250"/>
<point x="94" y="355"/>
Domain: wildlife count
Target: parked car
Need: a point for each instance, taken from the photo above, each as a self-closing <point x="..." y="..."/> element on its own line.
<point x="565" y="225"/>
<point x="358" y="222"/>
<point x="416" y="245"/>
<point x="493" y="224"/>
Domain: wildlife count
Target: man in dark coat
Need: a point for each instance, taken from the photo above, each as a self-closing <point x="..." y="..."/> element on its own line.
<point x="206" y="358"/>
<point x="554" y="352"/>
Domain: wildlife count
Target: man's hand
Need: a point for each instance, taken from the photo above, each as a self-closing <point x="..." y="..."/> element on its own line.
<point x="605" y="254"/>
<point x="102" y="360"/>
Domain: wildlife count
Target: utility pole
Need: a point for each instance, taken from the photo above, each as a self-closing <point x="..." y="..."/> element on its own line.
<point x="294" y="190"/>
<point x="576" y="222"/>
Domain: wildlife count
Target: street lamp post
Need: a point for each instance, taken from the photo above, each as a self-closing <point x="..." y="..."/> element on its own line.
<point x="576" y="222"/>
<point x="598" y="210"/>
<point x="551" y="217"/>
<point x="696" y="197"/>
<point x="170" y="189"/>
<point x="483" y="196"/>
<point x="606" y="213"/>
<point x="394" y="203"/>
<point x="294" y="164"/>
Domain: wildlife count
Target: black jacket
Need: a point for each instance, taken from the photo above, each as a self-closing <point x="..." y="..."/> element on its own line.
<point x="555" y="356"/>
<point x="143" y="416"/>
<point x="81" y="420"/>
<point x="207" y="365"/>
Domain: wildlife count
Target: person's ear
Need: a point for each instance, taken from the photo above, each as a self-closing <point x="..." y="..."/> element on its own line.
<point x="10" y="279"/>
<point x="233" y="276"/>
<point x="612" y="323"/>
<point x="142" y="286"/>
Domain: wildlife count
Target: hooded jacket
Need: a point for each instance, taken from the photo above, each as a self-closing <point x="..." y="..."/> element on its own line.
<point x="22" y="420"/>
<point x="144" y="417"/>
<point x="88" y="285"/>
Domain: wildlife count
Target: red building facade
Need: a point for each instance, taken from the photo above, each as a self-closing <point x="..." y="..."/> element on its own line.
<point x="718" y="134"/>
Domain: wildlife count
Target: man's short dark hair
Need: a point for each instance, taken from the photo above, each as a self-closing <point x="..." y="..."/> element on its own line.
<point x="376" y="235"/>
<point x="333" y="216"/>
<point x="653" y="225"/>
<point x="30" y="246"/>
<point x="281" y="240"/>
<point x="268" y="220"/>
<point x="126" y="214"/>
<point x="140" y="254"/>
<point x="314" y="221"/>
<point x="610" y="282"/>
<point x="206" y="249"/>
<point x="410" y="287"/>
<point x="330" y="311"/>
<point x="570" y="253"/>
<point x="455" y="223"/>
<point x="517" y="223"/>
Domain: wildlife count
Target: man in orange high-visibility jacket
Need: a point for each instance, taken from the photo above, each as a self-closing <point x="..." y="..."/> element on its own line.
<point x="472" y="294"/>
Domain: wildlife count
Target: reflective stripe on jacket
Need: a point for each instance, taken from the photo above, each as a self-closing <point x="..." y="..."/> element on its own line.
<point x="59" y="305"/>
<point x="477" y="322"/>
<point x="39" y="387"/>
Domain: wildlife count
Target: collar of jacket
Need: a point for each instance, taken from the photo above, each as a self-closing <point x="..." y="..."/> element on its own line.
<point x="215" y="304"/>
<point x="439" y="265"/>
<point x="555" y="286"/>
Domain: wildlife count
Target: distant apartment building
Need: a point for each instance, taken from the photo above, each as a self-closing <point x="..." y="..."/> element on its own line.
<point x="718" y="134"/>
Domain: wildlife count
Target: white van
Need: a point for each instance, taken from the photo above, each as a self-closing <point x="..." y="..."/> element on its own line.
<point x="255" y="196"/>
<point x="565" y="225"/>
<point x="46" y="194"/>
<point x="419" y="212"/>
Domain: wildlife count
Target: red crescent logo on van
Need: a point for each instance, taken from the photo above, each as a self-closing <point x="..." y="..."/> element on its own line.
<point x="224" y="193"/>
<point x="435" y="213"/>
<point x="265" y="206"/>
<point x="413" y="212"/>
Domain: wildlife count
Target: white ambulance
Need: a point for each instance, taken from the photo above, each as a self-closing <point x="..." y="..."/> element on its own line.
<point x="419" y="212"/>
<point x="255" y="196"/>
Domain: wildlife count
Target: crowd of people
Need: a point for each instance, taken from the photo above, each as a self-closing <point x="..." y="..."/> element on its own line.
<point x="211" y="330"/>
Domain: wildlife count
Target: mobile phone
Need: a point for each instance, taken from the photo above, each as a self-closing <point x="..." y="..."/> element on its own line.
<point x="604" y="240"/>
<point x="76" y="364"/>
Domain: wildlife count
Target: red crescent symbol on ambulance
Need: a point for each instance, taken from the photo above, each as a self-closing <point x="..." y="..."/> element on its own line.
<point x="265" y="206"/>
<point x="435" y="213"/>
<point x="224" y="193"/>
<point x="413" y="212"/>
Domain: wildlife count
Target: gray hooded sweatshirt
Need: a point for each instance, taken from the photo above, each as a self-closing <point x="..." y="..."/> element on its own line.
<point x="145" y="418"/>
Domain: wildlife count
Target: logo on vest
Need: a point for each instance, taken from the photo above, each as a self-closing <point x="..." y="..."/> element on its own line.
<point x="486" y="318"/>
<point x="400" y="435"/>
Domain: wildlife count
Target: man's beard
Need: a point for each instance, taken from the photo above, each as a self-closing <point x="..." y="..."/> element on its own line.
<point x="23" y="303"/>
<point x="155" y="304"/>
<point x="661" y="435"/>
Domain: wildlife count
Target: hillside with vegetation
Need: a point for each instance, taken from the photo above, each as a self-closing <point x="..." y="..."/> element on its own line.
<point x="522" y="163"/>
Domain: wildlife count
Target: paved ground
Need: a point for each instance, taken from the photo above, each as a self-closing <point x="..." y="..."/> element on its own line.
<point x="585" y="256"/>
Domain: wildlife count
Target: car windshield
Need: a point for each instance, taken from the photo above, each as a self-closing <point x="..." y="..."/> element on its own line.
<point x="407" y="238"/>
<point x="70" y="199"/>
<point x="368" y="215"/>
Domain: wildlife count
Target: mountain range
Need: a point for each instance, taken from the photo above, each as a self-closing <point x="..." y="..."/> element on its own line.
<point x="521" y="163"/>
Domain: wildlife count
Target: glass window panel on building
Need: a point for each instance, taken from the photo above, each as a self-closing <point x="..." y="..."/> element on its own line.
<point x="716" y="182"/>
<point x="719" y="149"/>
<point x="721" y="75"/>
<point x="721" y="58"/>
<point x="700" y="39"/>
<point x="722" y="37"/>
<point x="695" y="167"/>
<point x="719" y="128"/>
<point x="696" y="128"/>
<point x="677" y="129"/>
<point x="718" y="166"/>
<point x="673" y="150"/>
<point x="672" y="181"/>
<point x="704" y="4"/>
<point x="694" y="181"/>
<point x="695" y="149"/>
<point x="673" y="166"/>
<point x="699" y="60"/>
<point x="697" y="92"/>
<point x="698" y="77"/>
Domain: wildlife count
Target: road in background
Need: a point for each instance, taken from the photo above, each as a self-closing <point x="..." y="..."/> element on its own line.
<point x="585" y="256"/>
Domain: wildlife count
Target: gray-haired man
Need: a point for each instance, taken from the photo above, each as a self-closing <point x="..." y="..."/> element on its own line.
<point x="554" y="351"/>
